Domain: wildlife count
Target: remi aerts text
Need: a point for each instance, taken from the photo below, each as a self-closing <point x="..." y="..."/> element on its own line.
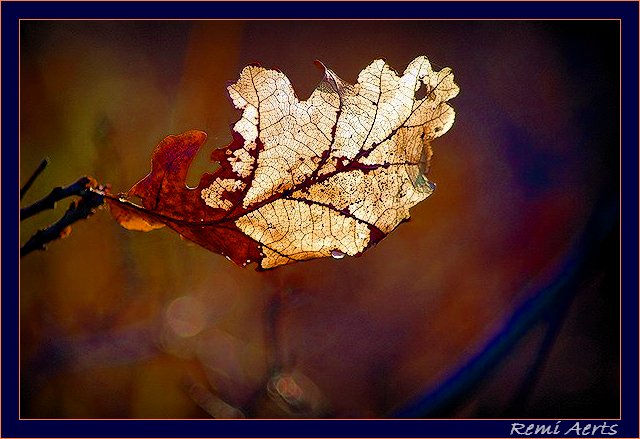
<point x="561" y="428"/>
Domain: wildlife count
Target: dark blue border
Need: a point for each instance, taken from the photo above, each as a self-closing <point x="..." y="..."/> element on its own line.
<point x="629" y="218"/>
<point x="246" y="10"/>
<point x="13" y="11"/>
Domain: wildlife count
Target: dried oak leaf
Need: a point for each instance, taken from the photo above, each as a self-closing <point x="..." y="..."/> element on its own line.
<point x="331" y="175"/>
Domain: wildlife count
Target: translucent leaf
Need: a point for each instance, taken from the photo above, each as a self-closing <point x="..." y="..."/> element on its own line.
<point x="328" y="176"/>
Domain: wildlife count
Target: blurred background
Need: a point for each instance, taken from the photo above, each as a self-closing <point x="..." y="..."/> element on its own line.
<point x="500" y="298"/>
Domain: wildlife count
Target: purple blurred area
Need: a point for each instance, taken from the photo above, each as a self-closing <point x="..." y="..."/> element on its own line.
<point x="120" y="324"/>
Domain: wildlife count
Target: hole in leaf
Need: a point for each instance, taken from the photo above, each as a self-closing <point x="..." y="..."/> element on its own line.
<point x="201" y="164"/>
<point x="421" y="93"/>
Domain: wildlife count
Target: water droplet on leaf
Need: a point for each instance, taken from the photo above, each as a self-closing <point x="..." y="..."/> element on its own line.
<point x="337" y="254"/>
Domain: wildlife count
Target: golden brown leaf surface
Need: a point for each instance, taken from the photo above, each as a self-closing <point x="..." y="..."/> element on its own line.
<point x="331" y="175"/>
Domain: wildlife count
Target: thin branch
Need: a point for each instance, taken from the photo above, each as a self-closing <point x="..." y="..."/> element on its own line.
<point x="57" y="194"/>
<point x="556" y="319"/>
<point x="273" y="316"/>
<point x="80" y="209"/>
<point x="43" y="164"/>
<point x="209" y="402"/>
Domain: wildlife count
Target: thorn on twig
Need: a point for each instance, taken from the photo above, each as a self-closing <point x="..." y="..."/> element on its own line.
<point x="43" y="164"/>
<point x="91" y="197"/>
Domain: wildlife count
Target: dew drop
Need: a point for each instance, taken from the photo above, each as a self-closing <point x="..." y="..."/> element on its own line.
<point x="337" y="254"/>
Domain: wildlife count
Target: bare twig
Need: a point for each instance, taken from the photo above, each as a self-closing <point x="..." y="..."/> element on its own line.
<point x="90" y="199"/>
<point x="43" y="164"/>
<point x="57" y="194"/>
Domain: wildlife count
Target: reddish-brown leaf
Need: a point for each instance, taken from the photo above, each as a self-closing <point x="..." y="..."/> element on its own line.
<point x="329" y="176"/>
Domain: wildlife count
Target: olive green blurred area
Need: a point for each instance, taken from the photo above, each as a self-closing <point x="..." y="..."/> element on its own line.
<point x="121" y="324"/>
